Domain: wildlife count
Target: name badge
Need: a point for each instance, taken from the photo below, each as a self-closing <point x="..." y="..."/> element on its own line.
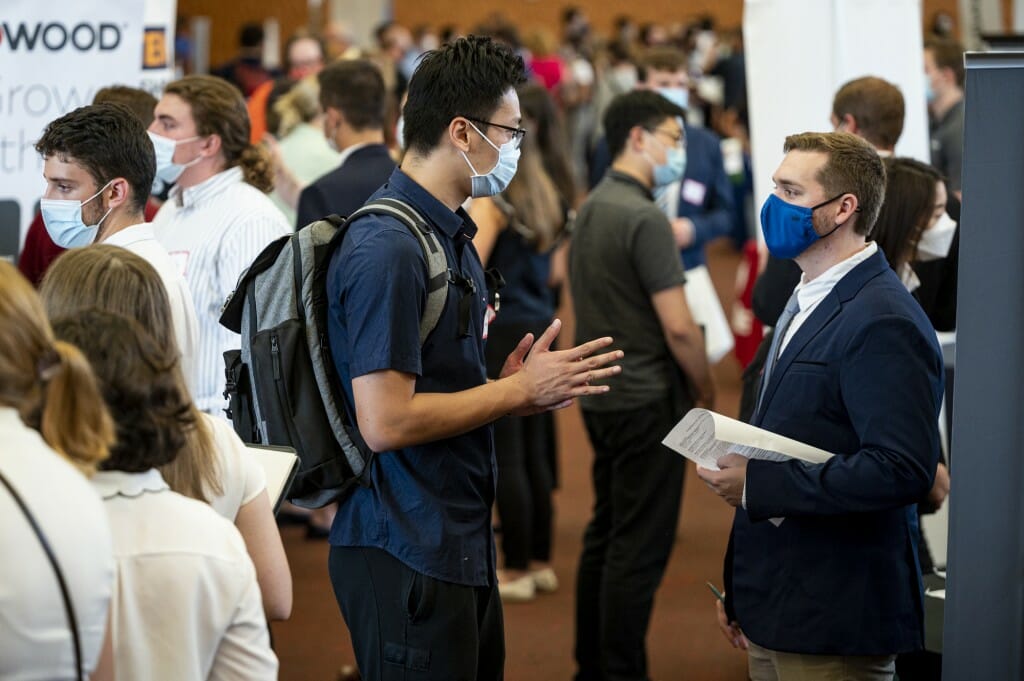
<point x="694" y="192"/>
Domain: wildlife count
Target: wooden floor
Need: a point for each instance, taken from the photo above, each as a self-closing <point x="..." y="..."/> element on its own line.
<point x="683" y="641"/>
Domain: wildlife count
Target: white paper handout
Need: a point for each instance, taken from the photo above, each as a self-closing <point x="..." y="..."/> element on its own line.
<point x="704" y="437"/>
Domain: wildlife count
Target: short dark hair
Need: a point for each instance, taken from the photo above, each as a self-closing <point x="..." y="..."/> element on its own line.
<point x="250" y="35"/>
<point x="644" y="108"/>
<point x="467" y="77"/>
<point x="140" y="102"/>
<point x="356" y="88"/>
<point x="853" y="167"/>
<point x="948" y="54"/>
<point x="109" y="141"/>
<point x="150" y="409"/>
<point x="877" y="106"/>
<point x="659" y="58"/>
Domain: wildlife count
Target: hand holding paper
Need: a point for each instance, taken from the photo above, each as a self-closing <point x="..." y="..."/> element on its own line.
<point x="704" y="437"/>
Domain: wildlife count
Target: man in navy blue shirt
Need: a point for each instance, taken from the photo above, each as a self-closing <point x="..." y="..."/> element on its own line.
<point x="412" y="553"/>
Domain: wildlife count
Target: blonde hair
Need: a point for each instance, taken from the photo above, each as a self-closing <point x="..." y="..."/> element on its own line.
<point x="300" y="104"/>
<point x="99" y="277"/>
<point x="49" y="382"/>
<point x="218" y="108"/>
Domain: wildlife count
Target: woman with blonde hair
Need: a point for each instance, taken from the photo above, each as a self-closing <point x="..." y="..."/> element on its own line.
<point x="214" y="466"/>
<point x="52" y="421"/>
<point x="301" y="153"/>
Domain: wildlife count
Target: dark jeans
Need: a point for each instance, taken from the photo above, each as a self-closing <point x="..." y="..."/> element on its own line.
<point x="638" y="485"/>
<point x="407" y="626"/>
<point x="522" y="447"/>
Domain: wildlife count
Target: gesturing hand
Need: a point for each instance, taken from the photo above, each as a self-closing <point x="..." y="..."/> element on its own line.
<point x="553" y="378"/>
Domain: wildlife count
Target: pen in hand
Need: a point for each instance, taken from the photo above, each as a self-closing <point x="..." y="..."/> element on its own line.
<point x="718" y="594"/>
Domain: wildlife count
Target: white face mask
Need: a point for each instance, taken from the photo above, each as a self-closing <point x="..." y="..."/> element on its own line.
<point x="936" y="240"/>
<point x="500" y="175"/>
<point x="166" y="169"/>
<point x="64" y="223"/>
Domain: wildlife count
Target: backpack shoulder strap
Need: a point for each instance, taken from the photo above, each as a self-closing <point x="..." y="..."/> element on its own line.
<point x="437" y="262"/>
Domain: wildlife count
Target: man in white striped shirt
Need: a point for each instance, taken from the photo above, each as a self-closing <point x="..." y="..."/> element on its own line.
<point x="217" y="218"/>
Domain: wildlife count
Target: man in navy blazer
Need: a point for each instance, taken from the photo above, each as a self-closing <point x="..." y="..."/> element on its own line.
<point x="821" y="571"/>
<point x="353" y="96"/>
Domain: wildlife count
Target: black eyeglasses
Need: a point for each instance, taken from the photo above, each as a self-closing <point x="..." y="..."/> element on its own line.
<point x="517" y="133"/>
<point x="678" y="140"/>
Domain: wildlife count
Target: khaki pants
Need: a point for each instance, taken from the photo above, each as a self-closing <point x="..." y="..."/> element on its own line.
<point x="770" y="665"/>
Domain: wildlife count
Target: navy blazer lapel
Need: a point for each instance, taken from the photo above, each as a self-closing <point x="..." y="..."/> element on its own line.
<point x="845" y="289"/>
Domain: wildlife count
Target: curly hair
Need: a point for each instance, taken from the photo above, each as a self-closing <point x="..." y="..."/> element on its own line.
<point x="218" y="108"/>
<point x="137" y="378"/>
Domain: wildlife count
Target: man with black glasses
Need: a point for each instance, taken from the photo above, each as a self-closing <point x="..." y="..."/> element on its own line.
<point x="412" y="552"/>
<point x="627" y="279"/>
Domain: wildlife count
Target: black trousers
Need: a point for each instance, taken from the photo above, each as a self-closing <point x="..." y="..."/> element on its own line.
<point x="407" y="626"/>
<point x="522" y="447"/>
<point x="638" y="486"/>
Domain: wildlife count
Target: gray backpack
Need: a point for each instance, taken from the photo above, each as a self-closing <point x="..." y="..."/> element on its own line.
<point x="282" y="385"/>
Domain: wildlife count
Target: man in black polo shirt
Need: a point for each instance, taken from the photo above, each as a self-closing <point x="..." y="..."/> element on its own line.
<point x="412" y="553"/>
<point x="626" y="277"/>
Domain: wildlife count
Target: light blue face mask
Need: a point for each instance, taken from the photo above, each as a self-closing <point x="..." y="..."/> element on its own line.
<point x="400" y="132"/>
<point x="64" y="224"/>
<point x="679" y="96"/>
<point x="166" y="169"/>
<point x="496" y="181"/>
<point x="672" y="169"/>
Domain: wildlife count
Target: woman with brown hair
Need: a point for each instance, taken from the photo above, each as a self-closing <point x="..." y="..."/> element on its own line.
<point x="214" y="466"/>
<point x="218" y="217"/>
<point x="51" y="413"/>
<point x="518" y="232"/>
<point x="186" y="602"/>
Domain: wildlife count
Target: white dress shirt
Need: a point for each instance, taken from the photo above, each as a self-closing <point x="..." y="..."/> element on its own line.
<point x="35" y="641"/>
<point x="213" y="231"/>
<point x="187" y="604"/>
<point x="140" y="240"/>
<point x="810" y="294"/>
<point x="242" y="478"/>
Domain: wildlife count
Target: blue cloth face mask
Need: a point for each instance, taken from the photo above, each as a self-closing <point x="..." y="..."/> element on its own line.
<point x="64" y="224"/>
<point x="496" y="181"/>
<point x="166" y="169"/>
<point x="679" y="96"/>
<point x="788" y="229"/>
<point x="672" y="169"/>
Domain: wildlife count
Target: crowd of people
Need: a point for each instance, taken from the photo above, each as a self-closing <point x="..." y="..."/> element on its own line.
<point x="590" y="169"/>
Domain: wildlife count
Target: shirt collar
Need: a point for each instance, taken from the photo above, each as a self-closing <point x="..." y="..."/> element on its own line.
<point x="629" y="179"/>
<point x="811" y="292"/>
<point x="206" y="190"/>
<point x="436" y="213"/>
<point x="131" y="235"/>
<point x="112" y="484"/>
<point x="347" y="153"/>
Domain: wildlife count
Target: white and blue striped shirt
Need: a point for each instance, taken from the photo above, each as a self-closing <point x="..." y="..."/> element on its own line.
<point x="214" y="231"/>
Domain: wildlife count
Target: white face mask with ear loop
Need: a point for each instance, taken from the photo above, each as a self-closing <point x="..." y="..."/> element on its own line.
<point x="166" y="169"/>
<point x="935" y="241"/>
<point x="497" y="180"/>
